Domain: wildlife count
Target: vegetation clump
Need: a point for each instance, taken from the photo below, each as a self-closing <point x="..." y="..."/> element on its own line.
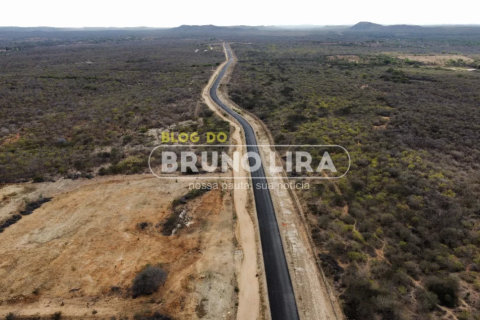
<point x="10" y="316"/>
<point x="177" y="208"/>
<point x="143" y="225"/>
<point x="33" y="205"/>
<point x="10" y="221"/>
<point x="57" y="315"/>
<point x="446" y="290"/>
<point x="155" y="316"/>
<point x="148" y="281"/>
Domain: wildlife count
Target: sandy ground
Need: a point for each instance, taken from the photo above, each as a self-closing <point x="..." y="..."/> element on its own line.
<point x="68" y="254"/>
<point x="249" y="270"/>
<point x="434" y="59"/>
<point x="347" y="57"/>
<point x="314" y="298"/>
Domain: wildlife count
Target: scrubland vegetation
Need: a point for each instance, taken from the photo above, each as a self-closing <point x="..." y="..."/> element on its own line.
<point x="72" y="105"/>
<point x="79" y="104"/>
<point x="400" y="235"/>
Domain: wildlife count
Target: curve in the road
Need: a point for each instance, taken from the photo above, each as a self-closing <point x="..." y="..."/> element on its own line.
<point x="279" y="285"/>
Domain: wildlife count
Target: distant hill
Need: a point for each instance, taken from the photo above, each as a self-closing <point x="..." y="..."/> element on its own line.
<point x="370" y="26"/>
<point x="366" y="26"/>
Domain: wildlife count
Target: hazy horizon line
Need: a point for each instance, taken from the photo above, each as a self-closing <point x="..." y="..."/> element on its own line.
<point x="237" y="25"/>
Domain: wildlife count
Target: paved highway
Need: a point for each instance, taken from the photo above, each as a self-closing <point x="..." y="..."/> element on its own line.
<point x="279" y="284"/>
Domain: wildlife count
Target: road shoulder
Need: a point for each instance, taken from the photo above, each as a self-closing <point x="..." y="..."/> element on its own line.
<point x="253" y="299"/>
<point x="314" y="297"/>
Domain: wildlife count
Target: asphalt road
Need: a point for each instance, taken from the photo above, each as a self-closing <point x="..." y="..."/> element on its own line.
<point x="279" y="284"/>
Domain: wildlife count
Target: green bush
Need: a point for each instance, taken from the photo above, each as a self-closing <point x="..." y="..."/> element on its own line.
<point x="446" y="289"/>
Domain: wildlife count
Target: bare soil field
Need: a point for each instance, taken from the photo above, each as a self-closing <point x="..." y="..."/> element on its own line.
<point x="441" y="60"/>
<point x="347" y="57"/>
<point x="79" y="253"/>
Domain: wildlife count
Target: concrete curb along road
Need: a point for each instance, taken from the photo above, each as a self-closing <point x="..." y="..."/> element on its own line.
<point x="280" y="290"/>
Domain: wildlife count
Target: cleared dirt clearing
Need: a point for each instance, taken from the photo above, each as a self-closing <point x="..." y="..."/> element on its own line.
<point x="435" y="59"/>
<point x="80" y="252"/>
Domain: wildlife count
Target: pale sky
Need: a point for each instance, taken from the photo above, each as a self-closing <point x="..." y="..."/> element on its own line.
<point x="172" y="13"/>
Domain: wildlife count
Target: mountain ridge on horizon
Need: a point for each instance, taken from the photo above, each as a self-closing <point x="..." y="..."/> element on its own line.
<point x="370" y="26"/>
<point x="360" y="26"/>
